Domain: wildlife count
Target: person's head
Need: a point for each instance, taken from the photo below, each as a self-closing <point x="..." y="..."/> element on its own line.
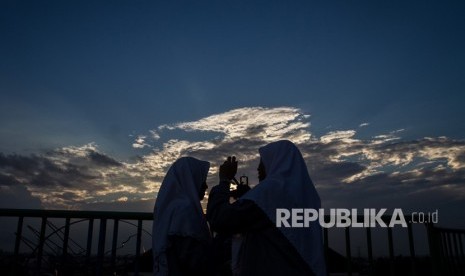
<point x="191" y="174"/>
<point x="278" y="157"/>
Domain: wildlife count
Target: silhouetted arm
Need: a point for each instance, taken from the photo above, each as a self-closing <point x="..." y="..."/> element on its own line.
<point x="237" y="217"/>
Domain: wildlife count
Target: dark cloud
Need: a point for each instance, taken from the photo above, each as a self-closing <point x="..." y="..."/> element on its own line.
<point x="70" y="196"/>
<point x="18" y="162"/>
<point x="8" y="180"/>
<point x="255" y="130"/>
<point x="19" y="197"/>
<point x="103" y="160"/>
<point x="44" y="179"/>
<point x="334" y="172"/>
<point x="80" y="171"/>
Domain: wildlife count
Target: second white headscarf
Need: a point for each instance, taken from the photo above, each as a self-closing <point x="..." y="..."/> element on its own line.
<point x="288" y="185"/>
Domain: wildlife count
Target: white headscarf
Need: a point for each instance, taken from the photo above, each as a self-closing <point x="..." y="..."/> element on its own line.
<point x="177" y="209"/>
<point x="288" y="185"/>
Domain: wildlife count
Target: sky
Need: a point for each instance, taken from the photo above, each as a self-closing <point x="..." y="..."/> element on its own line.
<point x="98" y="98"/>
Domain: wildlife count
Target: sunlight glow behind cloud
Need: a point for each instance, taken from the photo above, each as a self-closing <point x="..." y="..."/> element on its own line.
<point x="265" y="124"/>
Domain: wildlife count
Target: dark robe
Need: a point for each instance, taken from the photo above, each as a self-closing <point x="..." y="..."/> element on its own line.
<point x="187" y="256"/>
<point x="264" y="249"/>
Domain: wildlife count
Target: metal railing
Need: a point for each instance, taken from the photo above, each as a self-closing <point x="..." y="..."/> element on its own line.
<point x="91" y="217"/>
<point x="445" y="245"/>
<point x="447" y="250"/>
<point x="373" y="266"/>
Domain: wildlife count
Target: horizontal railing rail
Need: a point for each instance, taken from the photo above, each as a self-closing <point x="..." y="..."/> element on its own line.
<point x="75" y="214"/>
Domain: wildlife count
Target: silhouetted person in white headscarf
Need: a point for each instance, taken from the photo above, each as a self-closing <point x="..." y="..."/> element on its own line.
<point x="181" y="238"/>
<point x="266" y="249"/>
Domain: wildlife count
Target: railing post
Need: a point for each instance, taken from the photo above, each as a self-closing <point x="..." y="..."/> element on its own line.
<point x="348" y="252"/>
<point x="101" y="245"/>
<point x="450" y="253"/>
<point x="65" y="239"/>
<point x="370" y="250"/>
<point x="90" y="232"/>
<point x="40" y="248"/>
<point x="457" y="255"/>
<point x="326" y="246"/>
<point x="391" y="251"/>
<point x="114" y="244"/>
<point x="412" y="248"/>
<point x="138" y="246"/>
<point x="445" y="254"/>
<point x="434" y="248"/>
<point x="19" y="232"/>
<point x="462" y="256"/>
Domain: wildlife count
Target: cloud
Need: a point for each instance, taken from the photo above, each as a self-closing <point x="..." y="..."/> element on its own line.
<point x="64" y="178"/>
<point x="253" y="123"/>
<point x="347" y="170"/>
<point x="364" y="124"/>
<point x="139" y="143"/>
<point x="154" y="134"/>
<point x="103" y="160"/>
